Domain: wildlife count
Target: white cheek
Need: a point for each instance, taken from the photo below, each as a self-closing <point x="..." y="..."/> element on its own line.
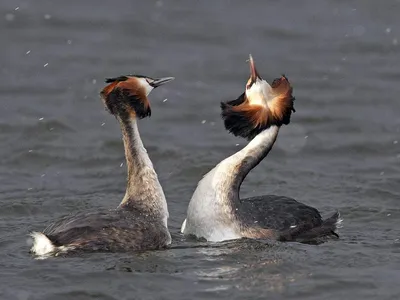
<point x="267" y="90"/>
<point x="259" y="93"/>
<point x="147" y="87"/>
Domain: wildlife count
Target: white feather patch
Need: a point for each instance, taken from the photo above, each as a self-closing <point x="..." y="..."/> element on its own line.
<point x="183" y="226"/>
<point x="41" y="244"/>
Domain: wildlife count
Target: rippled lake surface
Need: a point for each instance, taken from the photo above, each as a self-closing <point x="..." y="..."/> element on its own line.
<point x="62" y="153"/>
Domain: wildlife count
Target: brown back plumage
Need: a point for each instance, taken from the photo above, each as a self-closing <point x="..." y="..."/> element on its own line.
<point x="125" y="96"/>
<point x="246" y="119"/>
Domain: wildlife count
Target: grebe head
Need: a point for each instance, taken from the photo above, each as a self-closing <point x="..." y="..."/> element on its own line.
<point x="260" y="106"/>
<point x="126" y="96"/>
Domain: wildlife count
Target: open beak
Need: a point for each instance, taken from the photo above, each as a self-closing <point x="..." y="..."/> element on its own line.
<point x="160" y="81"/>
<point x="253" y="71"/>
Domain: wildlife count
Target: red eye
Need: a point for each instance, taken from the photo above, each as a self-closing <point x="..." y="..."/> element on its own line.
<point x="249" y="85"/>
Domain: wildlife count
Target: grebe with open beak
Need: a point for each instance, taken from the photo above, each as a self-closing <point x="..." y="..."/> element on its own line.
<point x="216" y="212"/>
<point x="140" y="220"/>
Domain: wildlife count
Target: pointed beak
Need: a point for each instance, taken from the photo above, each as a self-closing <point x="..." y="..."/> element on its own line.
<point x="253" y="71"/>
<point x="160" y="81"/>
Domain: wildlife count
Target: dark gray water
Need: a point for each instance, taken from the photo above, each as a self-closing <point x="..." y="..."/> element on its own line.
<point x="61" y="152"/>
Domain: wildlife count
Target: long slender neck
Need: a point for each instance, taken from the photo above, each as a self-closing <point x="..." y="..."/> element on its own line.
<point x="235" y="168"/>
<point x="143" y="191"/>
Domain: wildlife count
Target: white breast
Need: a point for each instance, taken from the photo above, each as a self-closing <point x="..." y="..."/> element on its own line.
<point x="205" y="215"/>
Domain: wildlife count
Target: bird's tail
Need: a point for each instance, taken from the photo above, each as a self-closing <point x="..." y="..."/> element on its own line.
<point x="328" y="228"/>
<point x="41" y="244"/>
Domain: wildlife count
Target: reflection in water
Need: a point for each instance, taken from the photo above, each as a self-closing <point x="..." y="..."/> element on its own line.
<point x="246" y="265"/>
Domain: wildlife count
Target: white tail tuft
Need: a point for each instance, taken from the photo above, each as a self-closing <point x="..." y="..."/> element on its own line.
<point x="183" y="226"/>
<point x="339" y="221"/>
<point x="41" y="244"/>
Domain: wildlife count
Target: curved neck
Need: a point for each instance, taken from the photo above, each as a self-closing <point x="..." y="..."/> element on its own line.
<point x="236" y="167"/>
<point x="143" y="191"/>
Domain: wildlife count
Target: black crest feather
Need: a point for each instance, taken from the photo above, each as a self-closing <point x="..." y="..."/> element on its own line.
<point x="119" y="78"/>
<point x="123" y="78"/>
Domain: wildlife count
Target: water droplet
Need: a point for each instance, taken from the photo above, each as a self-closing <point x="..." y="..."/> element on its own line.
<point x="237" y="145"/>
<point x="395" y="142"/>
<point x="121" y="165"/>
<point x="69" y="42"/>
<point x="9" y="17"/>
<point x="41" y="119"/>
<point x="102" y="124"/>
<point x="30" y="151"/>
<point x="388" y="30"/>
<point x="395" y="41"/>
<point x="45" y="65"/>
<point x="47" y="17"/>
<point x="51" y="129"/>
<point x="30" y="189"/>
<point x="381" y="173"/>
<point x="306" y="137"/>
<point x="165" y="100"/>
<point x="27" y="52"/>
<point x="203" y="122"/>
<point x="42" y="175"/>
<point x="94" y="81"/>
<point x="16" y="8"/>
<point x="389" y="215"/>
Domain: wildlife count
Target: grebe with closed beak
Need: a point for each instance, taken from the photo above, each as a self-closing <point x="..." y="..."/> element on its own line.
<point x="140" y="220"/>
<point x="216" y="212"/>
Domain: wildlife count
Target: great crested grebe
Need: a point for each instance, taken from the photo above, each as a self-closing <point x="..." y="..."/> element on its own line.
<point x="140" y="220"/>
<point x="216" y="212"/>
